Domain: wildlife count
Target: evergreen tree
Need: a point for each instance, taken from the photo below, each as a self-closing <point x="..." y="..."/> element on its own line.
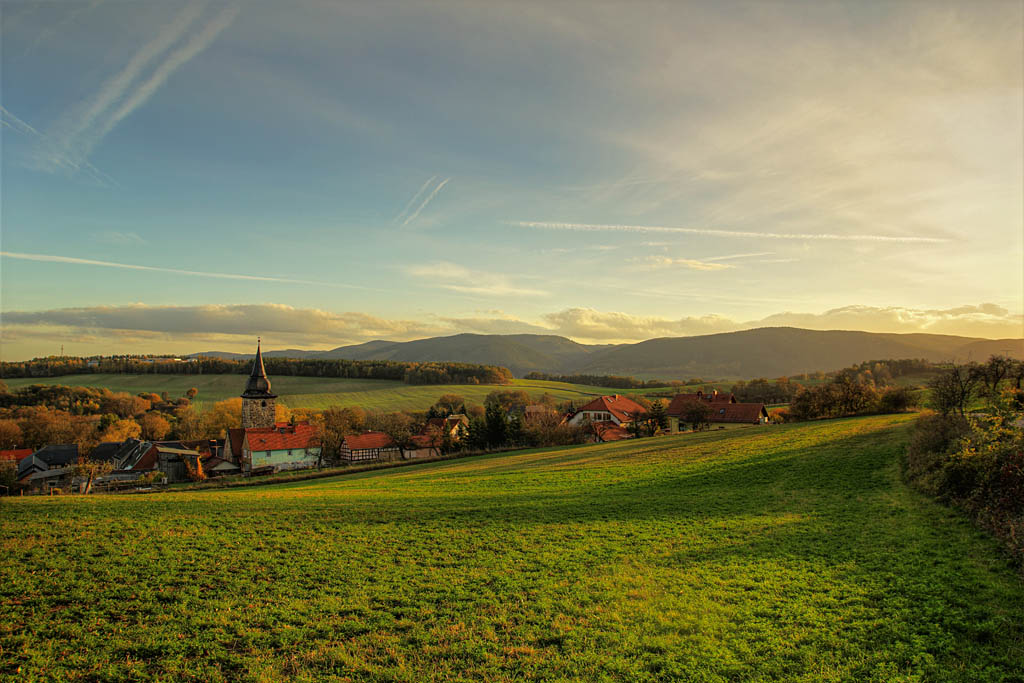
<point x="496" y="425"/>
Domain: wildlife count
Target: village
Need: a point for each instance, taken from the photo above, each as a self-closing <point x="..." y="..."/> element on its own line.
<point x="262" y="445"/>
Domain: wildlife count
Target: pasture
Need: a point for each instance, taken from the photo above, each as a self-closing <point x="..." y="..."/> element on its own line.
<point x="319" y="392"/>
<point x="785" y="553"/>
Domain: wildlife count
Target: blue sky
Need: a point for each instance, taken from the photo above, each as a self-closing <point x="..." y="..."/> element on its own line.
<point x="185" y="176"/>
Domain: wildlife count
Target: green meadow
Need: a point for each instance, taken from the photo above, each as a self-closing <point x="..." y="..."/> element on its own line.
<point x="782" y="553"/>
<point x="319" y="392"/>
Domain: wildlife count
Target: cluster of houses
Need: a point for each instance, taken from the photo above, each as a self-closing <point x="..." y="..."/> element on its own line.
<point x="262" y="445"/>
<point x="611" y="416"/>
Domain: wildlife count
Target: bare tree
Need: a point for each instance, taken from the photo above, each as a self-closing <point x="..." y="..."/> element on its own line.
<point x="992" y="373"/>
<point x="953" y="388"/>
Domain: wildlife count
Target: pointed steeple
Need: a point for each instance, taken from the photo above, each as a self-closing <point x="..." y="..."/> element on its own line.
<point x="258" y="385"/>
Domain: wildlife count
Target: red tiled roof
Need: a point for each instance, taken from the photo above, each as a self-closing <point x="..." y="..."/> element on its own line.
<point x="609" y="431"/>
<point x="15" y="454"/>
<point x="737" y="412"/>
<point x="280" y="437"/>
<point x="680" y="401"/>
<point x="360" y="442"/>
<point x="425" y="441"/>
<point x="623" y="408"/>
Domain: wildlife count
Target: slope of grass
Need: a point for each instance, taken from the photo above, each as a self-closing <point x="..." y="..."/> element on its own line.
<point x="317" y="392"/>
<point x="778" y="553"/>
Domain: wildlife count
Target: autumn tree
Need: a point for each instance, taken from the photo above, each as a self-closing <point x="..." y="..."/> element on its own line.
<point x="188" y="425"/>
<point x="154" y="426"/>
<point x="449" y="404"/>
<point x="10" y="434"/>
<point x="192" y="393"/>
<point x="397" y="425"/>
<point x="120" y="430"/>
<point x="222" y="416"/>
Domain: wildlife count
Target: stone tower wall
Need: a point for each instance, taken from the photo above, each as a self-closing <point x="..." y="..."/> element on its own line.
<point x="257" y="412"/>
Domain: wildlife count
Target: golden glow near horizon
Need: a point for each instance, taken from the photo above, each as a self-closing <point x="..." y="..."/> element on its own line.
<point x="608" y="173"/>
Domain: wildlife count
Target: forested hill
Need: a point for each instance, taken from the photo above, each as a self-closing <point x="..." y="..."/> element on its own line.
<point x="763" y="352"/>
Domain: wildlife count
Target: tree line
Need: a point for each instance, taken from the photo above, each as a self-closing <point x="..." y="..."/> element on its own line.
<point x="408" y="372"/>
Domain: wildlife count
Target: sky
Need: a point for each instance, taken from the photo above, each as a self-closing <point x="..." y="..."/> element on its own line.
<point x="186" y="176"/>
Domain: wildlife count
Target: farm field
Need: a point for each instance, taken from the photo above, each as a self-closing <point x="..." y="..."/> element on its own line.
<point x="790" y="552"/>
<point x="318" y="392"/>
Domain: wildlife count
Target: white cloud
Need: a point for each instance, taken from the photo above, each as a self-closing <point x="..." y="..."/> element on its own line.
<point x="457" y="278"/>
<point x="833" y="237"/>
<point x="141" y="328"/>
<point x="657" y="262"/>
<point x="119" y="238"/>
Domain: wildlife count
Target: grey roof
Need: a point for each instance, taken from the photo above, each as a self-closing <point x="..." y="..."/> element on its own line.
<point x="29" y="463"/>
<point x="50" y="474"/>
<point x="258" y="385"/>
<point x="58" y="454"/>
<point x="106" y="451"/>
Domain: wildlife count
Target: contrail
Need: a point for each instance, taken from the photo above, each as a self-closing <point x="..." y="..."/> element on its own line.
<point x="440" y="186"/>
<point x="176" y="59"/>
<point x="724" y="233"/>
<point x="115" y="87"/>
<point x="177" y="271"/>
<point x="415" y="197"/>
<point x="17" y="124"/>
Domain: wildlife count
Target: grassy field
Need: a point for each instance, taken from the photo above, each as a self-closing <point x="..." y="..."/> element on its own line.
<point x="779" y="553"/>
<point x="318" y="392"/>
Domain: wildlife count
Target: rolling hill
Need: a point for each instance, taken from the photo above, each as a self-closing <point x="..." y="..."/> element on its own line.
<point x="720" y="556"/>
<point x="762" y="352"/>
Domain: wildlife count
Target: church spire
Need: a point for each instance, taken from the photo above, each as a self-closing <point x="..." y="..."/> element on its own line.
<point x="258" y="385"/>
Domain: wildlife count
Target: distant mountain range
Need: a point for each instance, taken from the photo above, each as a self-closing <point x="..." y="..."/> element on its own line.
<point x="763" y="352"/>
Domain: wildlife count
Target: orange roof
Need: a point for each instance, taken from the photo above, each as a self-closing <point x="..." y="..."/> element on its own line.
<point x="280" y="437"/>
<point x="15" y="454"/>
<point x="609" y="431"/>
<point x="360" y="442"/>
<point x="737" y="412"/>
<point x="624" y="409"/>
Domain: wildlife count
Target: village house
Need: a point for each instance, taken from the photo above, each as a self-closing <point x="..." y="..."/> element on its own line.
<point x="723" y="409"/>
<point x="616" y="409"/>
<point x="284" y="446"/>
<point x="369" y="447"/>
<point x="452" y="427"/>
<point x="422" y="446"/>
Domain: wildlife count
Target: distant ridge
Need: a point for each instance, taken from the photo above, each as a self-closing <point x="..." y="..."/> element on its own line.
<point x="762" y="352"/>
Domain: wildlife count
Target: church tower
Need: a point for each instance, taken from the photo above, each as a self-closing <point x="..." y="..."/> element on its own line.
<point x="257" y="401"/>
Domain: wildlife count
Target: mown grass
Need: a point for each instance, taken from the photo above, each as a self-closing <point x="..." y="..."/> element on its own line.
<point x="779" y="553"/>
<point x="319" y="392"/>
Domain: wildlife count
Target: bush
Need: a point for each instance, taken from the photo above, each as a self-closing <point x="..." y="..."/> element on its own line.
<point x="897" y="400"/>
<point x="976" y="464"/>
